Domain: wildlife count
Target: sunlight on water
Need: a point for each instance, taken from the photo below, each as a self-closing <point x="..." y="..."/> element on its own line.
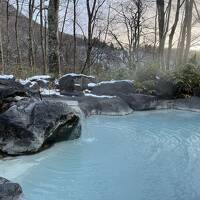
<point x="146" y="156"/>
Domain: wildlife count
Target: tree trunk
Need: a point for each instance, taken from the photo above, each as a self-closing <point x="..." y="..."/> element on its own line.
<point x="42" y="38"/>
<point x="1" y="41"/>
<point x="171" y="36"/>
<point x="53" y="41"/>
<point x="17" y="35"/>
<point x="189" y="30"/>
<point x="74" y="35"/>
<point x="161" y="25"/>
<point x="30" y="39"/>
<point x="181" y="46"/>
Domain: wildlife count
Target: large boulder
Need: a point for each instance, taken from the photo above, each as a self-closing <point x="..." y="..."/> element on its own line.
<point x="92" y="105"/>
<point x="112" y="88"/>
<point x="124" y="89"/>
<point x="11" y="88"/>
<point x="71" y="83"/>
<point x="30" y="125"/>
<point x="9" y="190"/>
<point x="95" y="105"/>
<point x="139" y="102"/>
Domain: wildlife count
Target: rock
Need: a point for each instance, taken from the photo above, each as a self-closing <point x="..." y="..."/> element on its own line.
<point x="68" y="83"/>
<point x="9" y="190"/>
<point x="9" y="87"/>
<point x="196" y="92"/>
<point x="139" y="102"/>
<point x="103" y="106"/>
<point x="124" y="90"/>
<point x="30" y="124"/>
<point x="9" y="90"/>
<point x="91" y="105"/>
<point x="166" y="89"/>
<point x="43" y="81"/>
<point x="112" y="88"/>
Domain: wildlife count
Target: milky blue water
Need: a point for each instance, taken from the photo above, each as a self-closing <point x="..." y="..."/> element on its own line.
<point x="145" y="156"/>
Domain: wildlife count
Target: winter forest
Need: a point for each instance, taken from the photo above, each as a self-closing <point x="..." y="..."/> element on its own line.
<point x="100" y="37"/>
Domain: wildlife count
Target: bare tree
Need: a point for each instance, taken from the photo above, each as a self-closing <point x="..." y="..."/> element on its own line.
<point x="185" y="35"/>
<point x="53" y="41"/>
<point x="173" y="29"/>
<point x="31" y="51"/>
<point x="1" y="41"/>
<point x="92" y="14"/>
<point x="130" y="17"/>
<point x="17" y="35"/>
<point x="189" y="30"/>
<point x="42" y="38"/>
<point x="74" y="33"/>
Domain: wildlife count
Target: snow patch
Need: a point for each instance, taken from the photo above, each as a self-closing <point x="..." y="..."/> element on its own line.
<point x="78" y="76"/>
<point x="6" y="77"/>
<point x="97" y="96"/>
<point x="92" y="84"/>
<point x="39" y="77"/>
<point x="50" y="92"/>
<point x="24" y="82"/>
<point x="109" y="82"/>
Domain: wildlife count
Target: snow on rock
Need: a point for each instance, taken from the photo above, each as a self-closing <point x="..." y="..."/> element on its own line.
<point x="78" y="76"/>
<point x="157" y="77"/>
<point x="24" y="82"/>
<point x="6" y="77"/>
<point x="43" y="78"/>
<point x="39" y="77"/>
<point x="97" y="96"/>
<point x="50" y="92"/>
<point x="92" y="84"/>
<point x="109" y="82"/>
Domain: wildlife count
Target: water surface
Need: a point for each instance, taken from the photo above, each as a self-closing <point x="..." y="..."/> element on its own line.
<point x="145" y="156"/>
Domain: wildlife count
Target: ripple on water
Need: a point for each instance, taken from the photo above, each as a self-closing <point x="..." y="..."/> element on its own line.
<point x="145" y="156"/>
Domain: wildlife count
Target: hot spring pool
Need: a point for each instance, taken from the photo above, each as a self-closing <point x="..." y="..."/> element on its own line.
<point x="145" y="156"/>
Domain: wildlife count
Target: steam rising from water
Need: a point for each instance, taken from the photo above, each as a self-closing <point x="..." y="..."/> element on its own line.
<point x="147" y="156"/>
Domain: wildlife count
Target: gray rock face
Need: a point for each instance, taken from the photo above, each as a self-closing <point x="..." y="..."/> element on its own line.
<point x="9" y="190"/>
<point x="113" y="88"/>
<point x="104" y="106"/>
<point x="139" y="102"/>
<point x="9" y="90"/>
<point x="125" y="91"/>
<point x="88" y="105"/>
<point x="30" y="124"/>
<point x="69" y="82"/>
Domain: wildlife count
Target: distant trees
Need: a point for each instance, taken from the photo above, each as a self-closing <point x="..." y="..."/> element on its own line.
<point x="39" y="43"/>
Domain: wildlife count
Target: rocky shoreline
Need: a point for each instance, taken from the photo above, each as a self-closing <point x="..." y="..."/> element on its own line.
<point x="38" y="112"/>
